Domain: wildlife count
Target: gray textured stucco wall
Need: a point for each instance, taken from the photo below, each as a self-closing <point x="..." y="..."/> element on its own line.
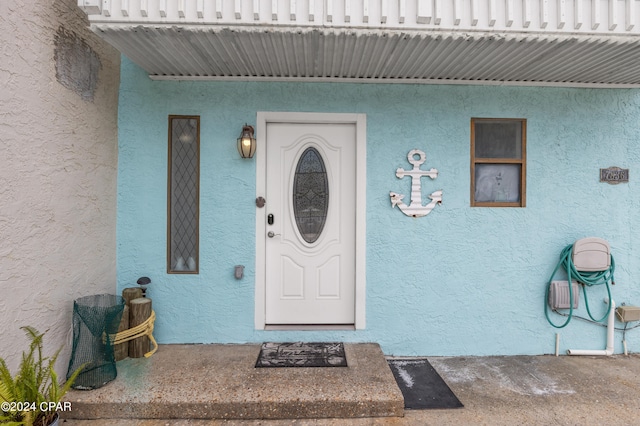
<point x="58" y="157"/>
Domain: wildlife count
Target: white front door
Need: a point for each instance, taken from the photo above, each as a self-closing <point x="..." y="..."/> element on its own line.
<point x="310" y="229"/>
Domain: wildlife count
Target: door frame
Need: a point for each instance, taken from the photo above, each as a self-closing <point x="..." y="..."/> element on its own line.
<point x="360" y="121"/>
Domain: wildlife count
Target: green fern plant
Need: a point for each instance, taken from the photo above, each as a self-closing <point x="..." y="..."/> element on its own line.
<point x="35" y="383"/>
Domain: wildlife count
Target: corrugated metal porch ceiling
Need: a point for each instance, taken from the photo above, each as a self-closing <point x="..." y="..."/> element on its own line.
<point x="206" y="52"/>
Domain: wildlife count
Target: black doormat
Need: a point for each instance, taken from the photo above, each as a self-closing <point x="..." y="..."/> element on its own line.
<point x="421" y="385"/>
<point x="301" y="354"/>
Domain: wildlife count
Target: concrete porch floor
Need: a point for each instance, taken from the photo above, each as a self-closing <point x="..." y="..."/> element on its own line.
<point x="221" y="382"/>
<point x="516" y="390"/>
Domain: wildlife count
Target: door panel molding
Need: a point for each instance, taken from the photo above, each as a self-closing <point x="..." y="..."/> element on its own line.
<point x="359" y="120"/>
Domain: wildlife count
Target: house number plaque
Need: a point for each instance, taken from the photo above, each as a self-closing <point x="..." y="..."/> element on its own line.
<point x="614" y="175"/>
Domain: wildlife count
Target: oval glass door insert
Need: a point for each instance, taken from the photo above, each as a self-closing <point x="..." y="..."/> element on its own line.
<point x="310" y="195"/>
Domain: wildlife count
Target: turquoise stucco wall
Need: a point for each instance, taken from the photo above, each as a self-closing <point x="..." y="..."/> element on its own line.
<point x="460" y="281"/>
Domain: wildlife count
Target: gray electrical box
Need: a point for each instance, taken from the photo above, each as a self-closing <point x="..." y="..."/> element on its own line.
<point x="559" y="294"/>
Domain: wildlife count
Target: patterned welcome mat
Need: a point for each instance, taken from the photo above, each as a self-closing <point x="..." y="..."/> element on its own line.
<point x="301" y="354"/>
<point x="421" y="385"/>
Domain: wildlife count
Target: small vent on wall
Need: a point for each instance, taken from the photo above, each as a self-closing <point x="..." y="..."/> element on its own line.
<point x="559" y="295"/>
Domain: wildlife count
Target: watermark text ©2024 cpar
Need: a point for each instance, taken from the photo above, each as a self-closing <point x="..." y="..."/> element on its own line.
<point x="32" y="406"/>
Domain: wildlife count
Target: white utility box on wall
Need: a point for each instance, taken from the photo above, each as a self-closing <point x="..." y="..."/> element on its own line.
<point x="559" y="294"/>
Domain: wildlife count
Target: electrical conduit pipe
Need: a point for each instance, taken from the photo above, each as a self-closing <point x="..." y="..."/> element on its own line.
<point x="610" y="332"/>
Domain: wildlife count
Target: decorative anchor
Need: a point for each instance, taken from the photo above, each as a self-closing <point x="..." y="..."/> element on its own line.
<point x="416" y="209"/>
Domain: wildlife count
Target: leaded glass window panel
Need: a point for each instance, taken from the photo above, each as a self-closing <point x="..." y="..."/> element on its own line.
<point x="183" y="199"/>
<point x="310" y="195"/>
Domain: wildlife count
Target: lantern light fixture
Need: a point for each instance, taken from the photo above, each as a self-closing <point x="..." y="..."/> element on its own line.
<point x="246" y="142"/>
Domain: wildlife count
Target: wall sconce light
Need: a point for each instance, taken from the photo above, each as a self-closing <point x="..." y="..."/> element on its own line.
<point x="246" y="142"/>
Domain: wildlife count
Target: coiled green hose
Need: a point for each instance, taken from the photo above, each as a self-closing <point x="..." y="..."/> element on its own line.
<point x="587" y="279"/>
